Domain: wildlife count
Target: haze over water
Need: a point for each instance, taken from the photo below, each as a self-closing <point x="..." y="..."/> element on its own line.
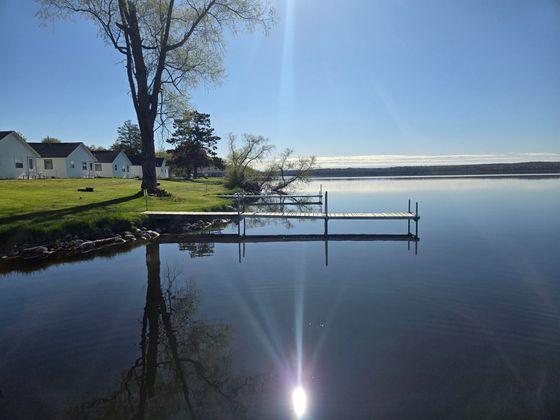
<point x="467" y="328"/>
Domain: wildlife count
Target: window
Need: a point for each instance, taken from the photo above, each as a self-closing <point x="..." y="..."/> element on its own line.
<point x="30" y="163"/>
<point x="98" y="167"/>
<point x="127" y="168"/>
<point x="19" y="164"/>
<point x="91" y="166"/>
<point x="48" y="164"/>
<point x="72" y="165"/>
<point x="124" y="168"/>
<point x="84" y="166"/>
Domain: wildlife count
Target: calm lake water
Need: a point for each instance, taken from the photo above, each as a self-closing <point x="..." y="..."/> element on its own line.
<point x="467" y="328"/>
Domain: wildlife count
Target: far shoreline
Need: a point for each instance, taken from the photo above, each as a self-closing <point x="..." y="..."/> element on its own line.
<point x="408" y="177"/>
<point x="488" y="170"/>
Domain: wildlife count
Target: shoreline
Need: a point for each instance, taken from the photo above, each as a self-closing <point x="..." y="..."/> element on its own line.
<point x="33" y="256"/>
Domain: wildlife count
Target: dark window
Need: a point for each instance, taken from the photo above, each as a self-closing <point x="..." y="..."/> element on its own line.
<point x="84" y="166"/>
<point x="19" y="165"/>
<point x="98" y="167"/>
<point x="48" y="164"/>
<point x="116" y="168"/>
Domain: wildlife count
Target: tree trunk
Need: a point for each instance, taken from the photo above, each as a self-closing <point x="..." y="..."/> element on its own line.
<point x="149" y="178"/>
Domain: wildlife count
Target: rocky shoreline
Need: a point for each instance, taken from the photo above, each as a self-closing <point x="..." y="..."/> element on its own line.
<point x="76" y="245"/>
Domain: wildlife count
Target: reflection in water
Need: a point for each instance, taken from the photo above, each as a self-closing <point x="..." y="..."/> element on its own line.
<point x="198" y="249"/>
<point x="183" y="369"/>
<point x="201" y="245"/>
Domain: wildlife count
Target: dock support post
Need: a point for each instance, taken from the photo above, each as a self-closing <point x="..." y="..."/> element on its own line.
<point x="409" y="219"/>
<point x="238" y="217"/>
<point x="244" y="228"/>
<point x="416" y="219"/>
<point x="326" y="213"/>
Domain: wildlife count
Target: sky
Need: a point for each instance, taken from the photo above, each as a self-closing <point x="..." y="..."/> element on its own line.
<point x="335" y="79"/>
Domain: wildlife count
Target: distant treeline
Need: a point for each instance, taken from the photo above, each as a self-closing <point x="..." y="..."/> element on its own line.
<point x="523" y="168"/>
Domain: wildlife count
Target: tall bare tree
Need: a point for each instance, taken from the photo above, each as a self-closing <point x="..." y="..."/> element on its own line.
<point x="168" y="47"/>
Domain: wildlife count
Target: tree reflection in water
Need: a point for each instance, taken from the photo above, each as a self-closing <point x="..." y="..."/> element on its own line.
<point x="197" y="249"/>
<point x="183" y="370"/>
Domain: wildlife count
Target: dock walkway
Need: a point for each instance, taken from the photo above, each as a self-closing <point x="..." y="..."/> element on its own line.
<point x="242" y="215"/>
<point x="282" y="215"/>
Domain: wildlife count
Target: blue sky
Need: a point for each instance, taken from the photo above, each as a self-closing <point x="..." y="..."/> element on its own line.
<point x="333" y="78"/>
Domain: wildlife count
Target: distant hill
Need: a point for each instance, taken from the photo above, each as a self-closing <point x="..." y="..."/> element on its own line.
<point x="524" y="168"/>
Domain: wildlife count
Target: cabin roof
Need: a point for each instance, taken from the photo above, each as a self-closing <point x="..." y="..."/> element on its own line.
<point x="5" y="133"/>
<point x="106" y="156"/>
<point x="54" y="150"/>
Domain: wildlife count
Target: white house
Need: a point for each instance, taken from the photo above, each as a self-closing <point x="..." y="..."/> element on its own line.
<point x="17" y="158"/>
<point x="112" y="164"/>
<point x="162" y="170"/>
<point x="64" y="160"/>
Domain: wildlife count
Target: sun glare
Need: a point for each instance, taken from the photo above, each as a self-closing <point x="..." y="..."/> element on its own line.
<point x="299" y="401"/>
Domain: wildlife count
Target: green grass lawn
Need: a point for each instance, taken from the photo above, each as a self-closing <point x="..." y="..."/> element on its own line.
<point x="52" y="207"/>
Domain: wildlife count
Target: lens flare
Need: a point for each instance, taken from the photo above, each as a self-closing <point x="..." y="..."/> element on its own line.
<point x="299" y="401"/>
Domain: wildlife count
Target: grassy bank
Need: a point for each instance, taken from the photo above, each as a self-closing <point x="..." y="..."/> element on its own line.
<point x="41" y="209"/>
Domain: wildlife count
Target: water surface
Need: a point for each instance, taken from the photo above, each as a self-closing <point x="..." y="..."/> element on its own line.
<point x="467" y="328"/>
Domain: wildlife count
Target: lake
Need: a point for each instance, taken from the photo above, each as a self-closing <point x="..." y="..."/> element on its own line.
<point x="466" y="327"/>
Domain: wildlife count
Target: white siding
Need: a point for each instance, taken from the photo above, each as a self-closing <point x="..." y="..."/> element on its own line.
<point x="106" y="170"/>
<point x="123" y="168"/>
<point x="58" y="167"/>
<point x="136" y="171"/>
<point x="13" y="150"/>
<point x="123" y="165"/>
<point x="161" y="172"/>
<point x="78" y="157"/>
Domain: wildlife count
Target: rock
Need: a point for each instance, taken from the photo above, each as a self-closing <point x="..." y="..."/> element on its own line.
<point x="152" y="234"/>
<point x="33" y="251"/>
<point x="129" y="237"/>
<point x="86" y="245"/>
<point x="119" y="240"/>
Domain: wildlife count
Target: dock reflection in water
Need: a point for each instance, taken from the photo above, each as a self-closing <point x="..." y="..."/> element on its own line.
<point x="201" y="245"/>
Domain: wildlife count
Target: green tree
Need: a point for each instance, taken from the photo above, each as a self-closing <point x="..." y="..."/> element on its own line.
<point x="51" y="140"/>
<point x="251" y="167"/>
<point x="95" y="148"/>
<point x="168" y="46"/>
<point x="129" y="139"/>
<point x="195" y="143"/>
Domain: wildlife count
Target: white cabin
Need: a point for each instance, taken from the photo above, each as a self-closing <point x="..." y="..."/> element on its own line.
<point x="64" y="160"/>
<point x="17" y="158"/>
<point x="112" y="164"/>
<point x="162" y="170"/>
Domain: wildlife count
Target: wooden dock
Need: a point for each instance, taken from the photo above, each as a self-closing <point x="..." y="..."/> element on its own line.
<point x="325" y="215"/>
<point x="282" y="215"/>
